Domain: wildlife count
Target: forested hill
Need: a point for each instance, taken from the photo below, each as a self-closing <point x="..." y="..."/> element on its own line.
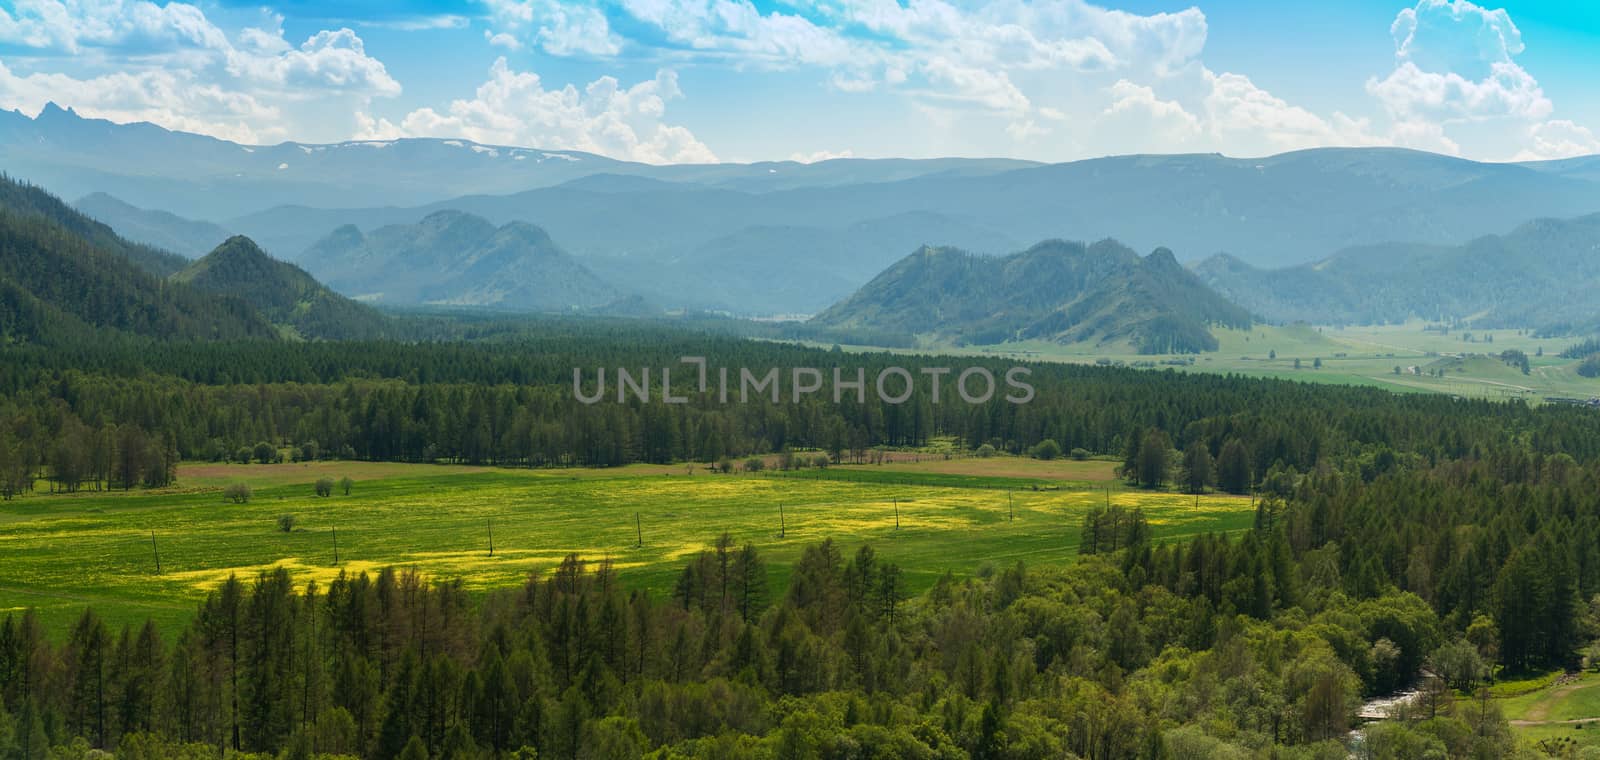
<point x="1059" y="291"/>
<point x="27" y="200"/>
<point x="282" y="292"/>
<point x="64" y="276"/>
<point x="1540" y="274"/>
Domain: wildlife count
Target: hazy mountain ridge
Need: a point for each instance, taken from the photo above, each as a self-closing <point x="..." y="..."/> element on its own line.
<point x="1274" y="211"/>
<point x="158" y="229"/>
<point x="454" y="258"/>
<point x="203" y="177"/>
<point x="1058" y="291"/>
<point x="1542" y="273"/>
<point x="1282" y="210"/>
<point x="64" y="275"/>
<point x="282" y="292"/>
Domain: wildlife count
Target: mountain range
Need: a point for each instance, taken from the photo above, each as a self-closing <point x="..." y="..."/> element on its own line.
<point x="206" y="178"/>
<point x="1054" y="291"/>
<point x="1308" y="235"/>
<point x="701" y="236"/>
<point x="1544" y="273"/>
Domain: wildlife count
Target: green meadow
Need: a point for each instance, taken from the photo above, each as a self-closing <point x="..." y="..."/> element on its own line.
<point x="67" y="551"/>
<point x="1568" y="713"/>
<point x="1364" y="355"/>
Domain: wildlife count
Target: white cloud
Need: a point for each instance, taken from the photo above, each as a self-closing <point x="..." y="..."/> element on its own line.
<point x="1559" y="139"/>
<point x="172" y="99"/>
<point x="327" y="60"/>
<point x="515" y="108"/>
<point x="502" y="39"/>
<point x="422" y="23"/>
<point x="1454" y="64"/>
<point x="170" y="65"/>
<point x="69" y="26"/>
<point x="821" y="155"/>
<point x="1508" y="90"/>
<point x="1138" y="120"/>
<point x="557" y="28"/>
<point x="1243" y="118"/>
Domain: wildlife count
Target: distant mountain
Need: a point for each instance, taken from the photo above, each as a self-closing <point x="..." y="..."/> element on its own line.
<point x="452" y="258"/>
<point x="1542" y="273"/>
<point x="158" y="229"/>
<point x="1275" y="211"/>
<point x="790" y="269"/>
<point x="1056" y="291"/>
<point x="281" y="292"/>
<point x="64" y="275"/>
<point x="205" y="178"/>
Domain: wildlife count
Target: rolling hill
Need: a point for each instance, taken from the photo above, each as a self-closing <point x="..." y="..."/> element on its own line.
<point x="64" y="275"/>
<point x="1541" y="274"/>
<point x="1057" y="291"/>
<point x="283" y="293"/>
<point x="452" y="258"/>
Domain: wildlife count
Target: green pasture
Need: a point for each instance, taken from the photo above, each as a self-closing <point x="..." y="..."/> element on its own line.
<point x="60" y="553"/>
<point x="1366" y="355"/>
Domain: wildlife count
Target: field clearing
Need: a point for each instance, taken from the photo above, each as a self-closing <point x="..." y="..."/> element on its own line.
<point x="1570" y="711"/>
<point x="1577" y="701"/>
<point x="1363" y="355"/>
<point x="62" y="553"/>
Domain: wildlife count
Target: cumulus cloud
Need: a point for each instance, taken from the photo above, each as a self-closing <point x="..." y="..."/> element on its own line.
<point x="1239" y="114"/>
<point x="557" y="28"/>
<point x="330" y="60"/>
<point x="1559" y="138"/>
<point x="515" y="108"/>
<point x="171" y="99"/>
<point x="69" y="26"/>
<point x="1139" y="120"/>
<point x="170" y="65"/>
<point x="1454" y="64"/>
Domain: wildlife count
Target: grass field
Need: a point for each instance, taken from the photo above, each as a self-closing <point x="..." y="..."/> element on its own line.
<point x="1364" y="355"/>
<point x="1570" y="711"/>
<point x="59" y="553"/>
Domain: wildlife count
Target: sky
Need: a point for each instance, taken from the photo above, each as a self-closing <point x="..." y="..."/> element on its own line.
<point x="672" y="81"/>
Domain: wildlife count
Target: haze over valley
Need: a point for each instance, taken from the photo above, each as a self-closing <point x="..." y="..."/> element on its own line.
<point x="1329" y="235"/>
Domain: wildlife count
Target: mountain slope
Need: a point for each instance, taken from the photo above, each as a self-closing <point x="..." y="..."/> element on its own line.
<point x="158" y="229"/>
<point x="1540" y="274"/>
<point x="65" y="275"/>
<point x="281" y="292"/>
<point x="30" y="200"/>
<point x="1058" y="291"/>
<point x="459" y="259"/>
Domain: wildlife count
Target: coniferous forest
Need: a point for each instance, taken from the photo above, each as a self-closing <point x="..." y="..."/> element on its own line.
<point x="1394" y="535"/>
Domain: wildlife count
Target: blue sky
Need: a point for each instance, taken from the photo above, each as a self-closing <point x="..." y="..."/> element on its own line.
<point x="743" y="80"/>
